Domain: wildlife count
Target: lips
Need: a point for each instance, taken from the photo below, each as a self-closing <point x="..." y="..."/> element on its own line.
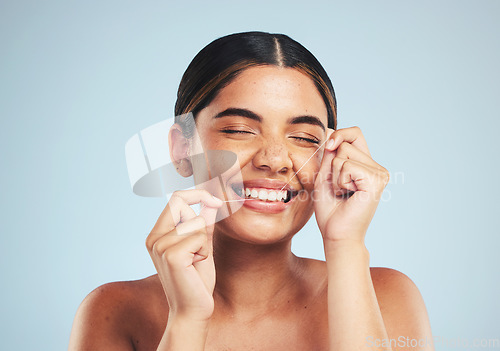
<point x="265" y="195"/>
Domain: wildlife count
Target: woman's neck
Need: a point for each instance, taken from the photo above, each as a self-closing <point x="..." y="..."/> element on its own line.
<point x="255" y="277"/>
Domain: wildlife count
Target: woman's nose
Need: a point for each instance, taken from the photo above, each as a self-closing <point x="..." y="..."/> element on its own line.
<point x="273" y="156"/>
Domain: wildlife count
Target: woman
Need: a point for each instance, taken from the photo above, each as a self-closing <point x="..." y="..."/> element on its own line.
<point x="267" y="99"/>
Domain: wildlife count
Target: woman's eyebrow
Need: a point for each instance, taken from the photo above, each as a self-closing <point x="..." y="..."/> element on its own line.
<point x="242" y="112"/>
<point x="307" y="119"/>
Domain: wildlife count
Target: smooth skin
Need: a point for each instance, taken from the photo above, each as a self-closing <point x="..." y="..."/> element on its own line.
<point x="236" y="285"/>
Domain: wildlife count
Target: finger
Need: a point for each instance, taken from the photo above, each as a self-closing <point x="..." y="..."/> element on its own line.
<point x="178" y="209"/>
<point x="329" y="132"/>
<point x="169" y="219"/>
<point x="351" y="135"/>
<point x="340" y="185"/>
<point x="185" y="252"/>
<point x="195" y="196"/>
<point x="324" y="176"/>
<point x="209" y="214"/>
<point x="183" y="230"/>
<point x="344" y="180"/>
<point x="326" y="162"/>
<point x="348" y="151"/>
<point x="190" y="227"/>
<point x="198" y="248"/>
<point x="360" y="176"/>
<point x="175" y="212"/>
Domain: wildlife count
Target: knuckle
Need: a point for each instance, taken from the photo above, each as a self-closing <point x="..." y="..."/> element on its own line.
<point x="200" y="238"/>
<point x="157" y="249"/>
<point x="171" y="256"/>
<point x="335" y="163"/>
<point x="149" y="242"/>
<point x="387" y="176"/>
<point x="173" y="204"/>
<point x="384" y="176"/>
<point x="162" y="245"/>
<point x="384" y="172"/>
<point x="199" y="222"/>
<point x="176" y="196"/>
<point x="338" y="161"/>
<point x="200" y="231"/>
<point x="205" y="192"/>
<point x="342" y="147"/>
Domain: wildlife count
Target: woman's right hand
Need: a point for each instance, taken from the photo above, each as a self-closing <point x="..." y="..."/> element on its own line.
<point x="180" y="246"/>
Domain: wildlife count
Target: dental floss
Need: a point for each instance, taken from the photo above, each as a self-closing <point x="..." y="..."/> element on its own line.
<point x="293" y="175"/>
<point x="305" y="163"/>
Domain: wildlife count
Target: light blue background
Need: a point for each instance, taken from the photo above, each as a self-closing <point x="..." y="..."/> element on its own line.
<point x="77" y="79"/>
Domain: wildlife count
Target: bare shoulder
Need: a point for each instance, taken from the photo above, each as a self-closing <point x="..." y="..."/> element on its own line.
<point x="109" y="317"/>
<point x="393" y="286"/>
<point x="401" y="304"/>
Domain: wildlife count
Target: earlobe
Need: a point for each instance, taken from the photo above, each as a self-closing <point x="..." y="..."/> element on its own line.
<point x="184" y="167"/>
<point x="179" y="151"/>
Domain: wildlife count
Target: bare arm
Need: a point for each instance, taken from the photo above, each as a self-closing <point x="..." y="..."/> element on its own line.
<point x="181" y="251"/>
<point x="353" y="311"/>
<point x="349" y="186"/>
<point x="377" y="309"/>
<point x="184" y="335"/>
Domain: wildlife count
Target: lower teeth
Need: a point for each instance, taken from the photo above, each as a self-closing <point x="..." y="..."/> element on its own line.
<point x="256" y="198"/>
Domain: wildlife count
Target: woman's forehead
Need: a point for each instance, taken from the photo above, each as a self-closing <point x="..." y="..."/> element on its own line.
<point x="272" y="88"/>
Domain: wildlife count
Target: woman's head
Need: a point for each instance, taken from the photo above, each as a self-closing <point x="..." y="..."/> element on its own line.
<point x="216" y="65"/>
<point x="267" y="99"/>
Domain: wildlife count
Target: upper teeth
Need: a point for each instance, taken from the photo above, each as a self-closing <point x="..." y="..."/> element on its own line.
<point x="266" y="194"/>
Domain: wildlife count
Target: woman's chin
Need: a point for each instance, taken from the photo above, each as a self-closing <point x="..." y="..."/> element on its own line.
<point x="255" y="239"/>
<point x="257" y="229"/>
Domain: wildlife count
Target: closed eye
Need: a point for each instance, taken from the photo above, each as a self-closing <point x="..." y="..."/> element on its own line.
<point x="309" y="140"/>
<point x="235" y="131"/>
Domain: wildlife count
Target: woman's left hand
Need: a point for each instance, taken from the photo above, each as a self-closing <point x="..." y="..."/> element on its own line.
<point x="348" y="187"/>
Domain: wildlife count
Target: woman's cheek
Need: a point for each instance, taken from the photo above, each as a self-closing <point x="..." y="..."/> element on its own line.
<point x="309" y="167"/>
<point x="245" y="156"/>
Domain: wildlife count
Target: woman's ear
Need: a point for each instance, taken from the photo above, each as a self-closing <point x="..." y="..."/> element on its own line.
<point x="179" y="151"/>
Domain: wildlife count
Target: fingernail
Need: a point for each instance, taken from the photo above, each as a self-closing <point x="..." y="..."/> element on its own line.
<point x="329" y="144"/>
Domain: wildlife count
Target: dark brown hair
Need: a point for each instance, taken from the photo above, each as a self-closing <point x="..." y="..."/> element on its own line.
<point x="218" y="63"/>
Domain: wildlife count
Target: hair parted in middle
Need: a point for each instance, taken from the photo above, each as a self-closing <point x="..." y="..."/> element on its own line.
<point x="218" y="63"/>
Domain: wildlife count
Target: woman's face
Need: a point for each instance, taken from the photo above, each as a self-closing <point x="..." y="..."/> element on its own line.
<point x="273" y="119"/>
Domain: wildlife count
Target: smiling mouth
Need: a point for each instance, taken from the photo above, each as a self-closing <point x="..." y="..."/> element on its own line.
<point x="264" y="194"/>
